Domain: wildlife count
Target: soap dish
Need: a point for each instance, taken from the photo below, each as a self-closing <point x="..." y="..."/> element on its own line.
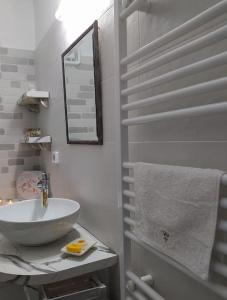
<point x="89" y="243"/>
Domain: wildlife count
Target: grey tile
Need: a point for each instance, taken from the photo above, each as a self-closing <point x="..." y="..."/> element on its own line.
<point x="9" y="68"/>
<point x="78" y="129"/>
<point x="13" y="184"/>
<point x="7" y="116"/>
<point x="0" y="75"/>
<point x="0" y="99"/>
<point x="15" y="84"/>
<point x="87" y="88"/>
<point x="86" y="59"/>
<point x="14" y="60"/>
<point x="36" y="168"/>
<point x="4" y="170"/>
<point x="37" y="153"/>
<point x="3" y="51"/>
<point x="16" y="154"/>
<point x="76" y="102"/>
<point x="20" y="53"/>
<point x="74" y="116"/>
<point x="17" y="116"/>
<point x="86" y="95"/>
<point x="16" y="162"/>
<point x="85" y="67"/>
<point x="91" y="129"/>
<point x="31" y="62"/>
<point x="7" y="147"/>
<point x="89" y="115"/>
<point x="2" y="131"/>
<point x="1" y="107"/>
<point x="31" y="77"/>
<point x="92" y="81"/>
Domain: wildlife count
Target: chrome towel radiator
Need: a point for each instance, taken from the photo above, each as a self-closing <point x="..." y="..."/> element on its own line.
<point x="133" y="286"/>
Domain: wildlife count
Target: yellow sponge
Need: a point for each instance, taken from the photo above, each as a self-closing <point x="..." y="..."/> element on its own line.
<point x="74" y="248"/>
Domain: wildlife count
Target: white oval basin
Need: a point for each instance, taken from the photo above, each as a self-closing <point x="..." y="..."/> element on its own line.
<point x="27" y="223"/>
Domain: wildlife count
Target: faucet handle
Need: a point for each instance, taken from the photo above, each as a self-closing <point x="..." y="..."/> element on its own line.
<point x="39" y="185"/>
<point x="43" y="176"/>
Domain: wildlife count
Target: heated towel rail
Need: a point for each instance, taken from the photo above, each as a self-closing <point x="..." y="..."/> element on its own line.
<point x="124" y="9"/>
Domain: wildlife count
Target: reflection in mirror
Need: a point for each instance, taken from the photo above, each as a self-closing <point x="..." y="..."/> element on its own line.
<point x="82" y="89"/>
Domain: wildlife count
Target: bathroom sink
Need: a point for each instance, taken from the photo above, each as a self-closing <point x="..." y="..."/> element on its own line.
<point x="28" y="223"/>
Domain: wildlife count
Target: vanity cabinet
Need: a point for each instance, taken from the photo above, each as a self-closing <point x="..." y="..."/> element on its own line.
<point x="72" y="290"/>
<point x="35" y="268"/>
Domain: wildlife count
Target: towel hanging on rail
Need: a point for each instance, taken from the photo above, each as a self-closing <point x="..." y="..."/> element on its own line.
<point x="176" y="212"/>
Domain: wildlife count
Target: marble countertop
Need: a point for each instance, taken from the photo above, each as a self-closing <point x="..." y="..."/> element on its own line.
<point x="46" y="264"/>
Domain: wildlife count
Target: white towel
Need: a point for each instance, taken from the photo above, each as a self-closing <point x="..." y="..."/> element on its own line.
<point x="176" y="212"/>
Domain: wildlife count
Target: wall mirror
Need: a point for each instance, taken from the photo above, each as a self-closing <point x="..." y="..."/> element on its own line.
<point x="82" y="89"/>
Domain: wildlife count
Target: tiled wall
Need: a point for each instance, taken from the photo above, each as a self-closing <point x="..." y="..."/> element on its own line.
<point x="17" y="74"/>
<point x="81" y="99"/>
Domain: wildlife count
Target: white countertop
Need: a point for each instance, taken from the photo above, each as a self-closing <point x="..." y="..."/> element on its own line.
<point x="46" y="264"/>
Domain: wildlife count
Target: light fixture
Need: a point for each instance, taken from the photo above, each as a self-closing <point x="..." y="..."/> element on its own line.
<point x="77" y="15"/>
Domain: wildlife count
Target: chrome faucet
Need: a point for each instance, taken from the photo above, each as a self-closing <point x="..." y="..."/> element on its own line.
<point x="43" y="186"/>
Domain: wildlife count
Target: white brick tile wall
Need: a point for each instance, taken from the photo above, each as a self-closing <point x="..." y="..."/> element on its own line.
<point x="17" y="74"/>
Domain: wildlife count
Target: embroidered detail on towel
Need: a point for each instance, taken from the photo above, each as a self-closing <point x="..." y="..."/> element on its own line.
<point x="166" y="235"/>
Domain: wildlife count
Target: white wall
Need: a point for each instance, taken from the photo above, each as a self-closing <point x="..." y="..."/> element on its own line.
<point x="44" y="11"/>
<point x="17" y="24"/>
<point x="85" y="173"/>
